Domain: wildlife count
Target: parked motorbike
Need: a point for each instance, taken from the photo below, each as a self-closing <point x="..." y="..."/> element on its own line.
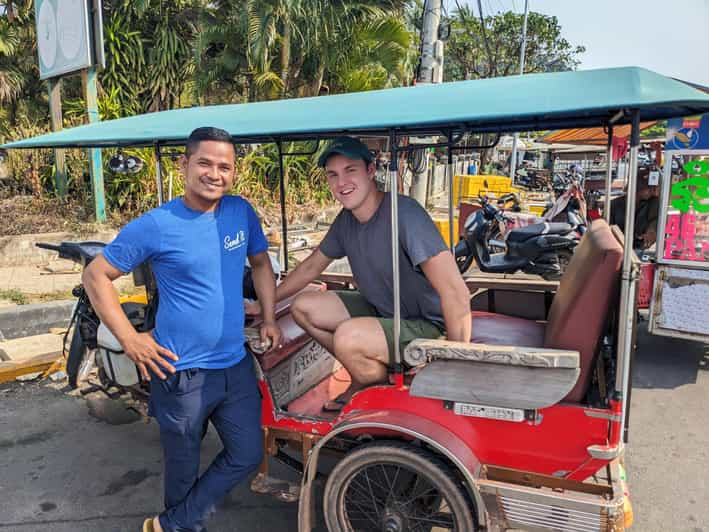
<point x="531" y="179"/>
<point x="569" y="206"/>
<point x="91" y="341"/>
<point x="541" y="249"/>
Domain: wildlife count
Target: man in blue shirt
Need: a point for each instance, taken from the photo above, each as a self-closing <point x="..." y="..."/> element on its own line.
<point x="197" y="246"/>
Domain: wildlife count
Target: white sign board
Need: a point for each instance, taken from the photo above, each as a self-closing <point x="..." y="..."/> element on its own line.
<point x="680" y="303"/>
<point x="63" y="36"/>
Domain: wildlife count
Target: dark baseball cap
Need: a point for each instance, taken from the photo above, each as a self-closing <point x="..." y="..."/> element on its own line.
<point x="349" y="147"/>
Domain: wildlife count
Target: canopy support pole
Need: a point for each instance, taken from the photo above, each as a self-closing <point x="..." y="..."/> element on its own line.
<point x="158" y="173"/>
<point x="449" y="171"/>
<point x="284" y="221"/>
<point x="626" y="325"/>
<point x="609" y="176"/>
<point x="88" y="79"/>
<point x="394" y="196"/>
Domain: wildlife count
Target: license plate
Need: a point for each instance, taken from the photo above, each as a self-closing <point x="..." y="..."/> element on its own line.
<point x="490" y="412"/>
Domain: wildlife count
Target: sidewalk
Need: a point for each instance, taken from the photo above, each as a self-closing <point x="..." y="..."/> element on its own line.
<point x="26" y="345"/>
<point x="53" y="278"/>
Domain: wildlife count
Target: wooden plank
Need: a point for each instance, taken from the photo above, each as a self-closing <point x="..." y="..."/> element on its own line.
<point x="531" y="283"/>
<point x="21" y="349"/>
<point x="9" y="371"/>
<point x="331" y="277"/>
<point x="423" y="350"/>
<point x="535" y="480"/>
<point x="494" y="384"/>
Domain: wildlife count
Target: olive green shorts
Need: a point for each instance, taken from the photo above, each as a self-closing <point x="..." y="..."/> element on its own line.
<point x="359" y="307"/>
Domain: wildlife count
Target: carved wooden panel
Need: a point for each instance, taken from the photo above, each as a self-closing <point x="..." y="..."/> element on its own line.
<point x="422" y="351"/>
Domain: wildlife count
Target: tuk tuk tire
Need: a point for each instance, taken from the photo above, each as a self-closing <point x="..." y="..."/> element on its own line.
<point x="77" y="351"/>
<point x="423" y="462"/>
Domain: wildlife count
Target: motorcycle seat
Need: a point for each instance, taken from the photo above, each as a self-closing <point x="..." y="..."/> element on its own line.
<point x="524" y="233"/>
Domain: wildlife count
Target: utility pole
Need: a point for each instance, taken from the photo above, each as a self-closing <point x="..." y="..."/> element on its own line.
<point x="430" y="71"/>
<point x="513" y="158"/>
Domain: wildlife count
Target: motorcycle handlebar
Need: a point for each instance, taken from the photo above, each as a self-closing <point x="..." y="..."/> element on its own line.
<point x="50" y="247"/>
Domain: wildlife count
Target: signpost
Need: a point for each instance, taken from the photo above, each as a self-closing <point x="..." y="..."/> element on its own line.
<point x="70" y="40"/>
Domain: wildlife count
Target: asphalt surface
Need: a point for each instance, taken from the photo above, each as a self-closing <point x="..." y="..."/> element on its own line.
<point x="64" y="470"/>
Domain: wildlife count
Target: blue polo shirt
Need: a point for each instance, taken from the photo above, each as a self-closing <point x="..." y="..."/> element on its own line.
<point x="198" y="259"/>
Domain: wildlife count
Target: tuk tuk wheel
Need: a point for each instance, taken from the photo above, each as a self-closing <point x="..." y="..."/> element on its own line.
<point x="395" y="487"/>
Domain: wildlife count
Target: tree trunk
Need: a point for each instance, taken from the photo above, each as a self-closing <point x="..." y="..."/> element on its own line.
<point x="285" y="56"/>
<point x="314" y="86"/>
<point x="33" y="177"/>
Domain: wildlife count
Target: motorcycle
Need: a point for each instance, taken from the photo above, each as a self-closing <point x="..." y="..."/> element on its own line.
<point x="541" y="249"/>
<point x="531" y="179"/>
<point x="570" y="205"/>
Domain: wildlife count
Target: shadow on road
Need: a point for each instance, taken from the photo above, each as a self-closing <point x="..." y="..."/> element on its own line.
<point x="662" y="362"/>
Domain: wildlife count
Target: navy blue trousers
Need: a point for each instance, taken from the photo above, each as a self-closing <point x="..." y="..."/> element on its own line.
<point x="182" y="405"/>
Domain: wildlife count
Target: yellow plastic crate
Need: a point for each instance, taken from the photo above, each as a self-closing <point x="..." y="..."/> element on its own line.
<point x="471" y="186"/>
<point x="442" y="226"/>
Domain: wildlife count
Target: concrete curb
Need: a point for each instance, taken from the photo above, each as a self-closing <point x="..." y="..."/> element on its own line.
<point x="30" y="320"/>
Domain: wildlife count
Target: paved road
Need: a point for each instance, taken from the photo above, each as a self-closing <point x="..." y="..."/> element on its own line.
<point x="62" y="470"/>
<point x="668" y="452"/>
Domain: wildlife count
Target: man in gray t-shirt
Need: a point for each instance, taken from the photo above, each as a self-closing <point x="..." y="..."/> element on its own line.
<point x="357" y="326"/>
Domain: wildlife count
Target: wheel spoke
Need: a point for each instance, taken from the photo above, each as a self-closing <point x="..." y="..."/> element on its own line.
<point x="371" y="492"/>
<point x="377" y="490"/>
<point x="393" y="484"/>
<point x="445" y="520"/>
<point x="368" y="516"/>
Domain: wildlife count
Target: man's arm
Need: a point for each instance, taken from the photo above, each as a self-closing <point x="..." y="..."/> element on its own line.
<point x="305" y="273"/>
<point x="141" y="348"/>
<point x="442" y="272"/>
<point x="265" y="286"/>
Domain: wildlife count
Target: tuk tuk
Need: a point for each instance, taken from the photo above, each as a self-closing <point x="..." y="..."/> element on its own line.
<point x="523" y="427"/>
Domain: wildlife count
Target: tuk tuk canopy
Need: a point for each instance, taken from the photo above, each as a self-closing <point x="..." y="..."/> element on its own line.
<point x="517" y="103"/>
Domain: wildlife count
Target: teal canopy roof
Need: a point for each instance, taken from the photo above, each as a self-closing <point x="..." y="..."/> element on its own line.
<point x="517" y="103"/>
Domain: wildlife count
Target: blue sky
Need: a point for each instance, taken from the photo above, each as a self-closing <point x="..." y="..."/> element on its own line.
<point x="670" y="36"/>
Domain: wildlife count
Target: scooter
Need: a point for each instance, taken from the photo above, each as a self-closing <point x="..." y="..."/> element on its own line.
<point x="541" y="249"/>
<point x="91" y="341"/>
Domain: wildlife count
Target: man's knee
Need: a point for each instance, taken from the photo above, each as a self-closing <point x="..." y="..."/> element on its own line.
<point x="347" y="339"/>
<point x="302" y="307"/>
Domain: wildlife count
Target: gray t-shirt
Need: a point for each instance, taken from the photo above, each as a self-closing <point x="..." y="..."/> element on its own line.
<point x="367" y="246"/>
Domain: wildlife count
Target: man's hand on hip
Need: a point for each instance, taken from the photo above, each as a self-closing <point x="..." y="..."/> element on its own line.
<point x="147" y="354"/>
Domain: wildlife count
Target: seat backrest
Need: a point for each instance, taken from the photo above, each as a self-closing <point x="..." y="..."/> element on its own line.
<point x="581" y="305"/>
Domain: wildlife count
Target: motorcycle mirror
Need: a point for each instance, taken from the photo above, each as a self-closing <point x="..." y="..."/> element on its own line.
<point x="122" y="164"/>
<point x="133" y="164"/>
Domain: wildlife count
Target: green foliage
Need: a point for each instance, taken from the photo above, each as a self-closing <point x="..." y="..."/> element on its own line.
<point x="14" y="295"/>
<point x="491" y="49"/>
<point x="164" y="55"/>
